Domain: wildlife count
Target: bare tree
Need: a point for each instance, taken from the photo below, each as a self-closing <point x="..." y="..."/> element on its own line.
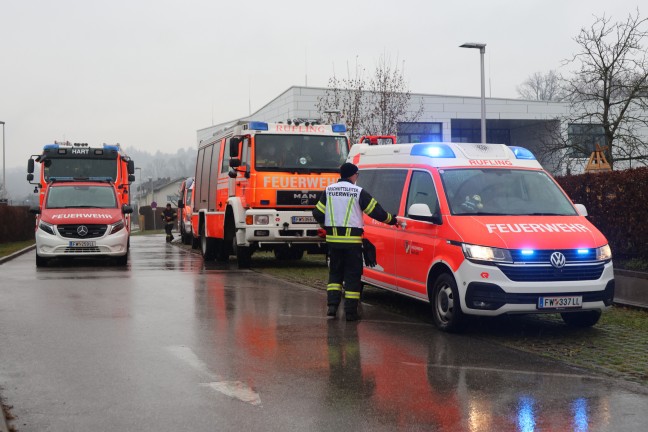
<point x="542" y="87"/>
<point x="608" y="91"/>
<point x="372" y="106"/>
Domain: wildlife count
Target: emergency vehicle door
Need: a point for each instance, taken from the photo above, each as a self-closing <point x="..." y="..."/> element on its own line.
<point x="386" y="186"/>
<point x="418" y="239"/>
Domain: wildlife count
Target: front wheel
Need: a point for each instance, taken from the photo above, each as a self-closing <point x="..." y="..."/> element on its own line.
<point x="40" y="261"/>
<point x="122" y="260"/>
<point x="446" y="308"/>
<point x="581" y="319"/>
<point x="207" y="246"/>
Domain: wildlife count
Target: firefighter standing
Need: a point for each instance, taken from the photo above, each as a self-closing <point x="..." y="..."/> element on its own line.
<point x="168" y="216"/>
<point x="339" y="210"/>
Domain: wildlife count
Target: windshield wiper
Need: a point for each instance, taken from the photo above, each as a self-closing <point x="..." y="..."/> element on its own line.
<point x="546" y="214"/>
<point x="482" y="214"/>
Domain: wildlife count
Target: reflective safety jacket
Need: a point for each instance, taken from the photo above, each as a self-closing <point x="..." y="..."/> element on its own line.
<point x="340" y="209"/>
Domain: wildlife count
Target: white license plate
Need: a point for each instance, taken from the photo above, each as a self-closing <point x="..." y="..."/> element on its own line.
<point x="303" y="219"/>
<point x="82" y="244"/>
<point x="560" y="302"/>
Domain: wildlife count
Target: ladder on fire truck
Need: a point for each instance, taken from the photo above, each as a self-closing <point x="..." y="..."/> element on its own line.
<point x="597" y="161"/>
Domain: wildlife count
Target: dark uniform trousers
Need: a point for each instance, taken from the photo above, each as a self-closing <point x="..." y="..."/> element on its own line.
<point x="345" y="264"/>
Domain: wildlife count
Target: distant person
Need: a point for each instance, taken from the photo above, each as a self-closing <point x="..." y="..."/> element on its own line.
<point x="168" y="216"/>
<point x="339" y="210"/>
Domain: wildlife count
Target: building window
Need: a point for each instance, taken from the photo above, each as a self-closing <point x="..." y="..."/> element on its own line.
<point x="583" y="139"/>
<point x="469" y="131"/>
<point x="420" y="132"/>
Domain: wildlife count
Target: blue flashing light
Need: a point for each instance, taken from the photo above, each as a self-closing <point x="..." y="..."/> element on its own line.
<point x="583" y="251"/>
<point x="527" y="252"/>
<point x="111" y="147"/>
<point x="256" y="125"/>
<point x="339" y="128"/>
<point x="51" y="147"/>
<point x="522" y="153"/>
<point x="432" y="150"/>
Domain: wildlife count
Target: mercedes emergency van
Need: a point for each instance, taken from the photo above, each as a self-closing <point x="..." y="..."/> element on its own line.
<point x="82" y="219"/>
<point x="483" y="230"/>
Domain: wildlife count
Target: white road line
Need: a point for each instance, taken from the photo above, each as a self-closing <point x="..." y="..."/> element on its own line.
<point x="233" y="389"/>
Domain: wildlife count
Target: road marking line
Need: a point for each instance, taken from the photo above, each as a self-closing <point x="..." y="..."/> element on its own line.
<point x="233" y="389"/>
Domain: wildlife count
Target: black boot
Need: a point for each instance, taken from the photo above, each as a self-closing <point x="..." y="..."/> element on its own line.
<point x="331" y="311"/>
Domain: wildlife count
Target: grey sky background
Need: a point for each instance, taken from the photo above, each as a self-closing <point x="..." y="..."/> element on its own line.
<point x="148" y="74"/>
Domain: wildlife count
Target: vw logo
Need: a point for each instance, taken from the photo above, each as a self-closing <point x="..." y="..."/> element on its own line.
<point x="82" y="230"/>
<point x="557" y="260"/>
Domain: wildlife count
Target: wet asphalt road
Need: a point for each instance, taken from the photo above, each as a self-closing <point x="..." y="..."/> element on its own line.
<point x="168" y="345"/>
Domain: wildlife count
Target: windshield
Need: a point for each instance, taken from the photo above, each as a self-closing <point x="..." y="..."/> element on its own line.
<point x="301" y="153"/>
<point x="77" y="167"/>
<point x="81" y="197"/>
<point x="503" y="192"/>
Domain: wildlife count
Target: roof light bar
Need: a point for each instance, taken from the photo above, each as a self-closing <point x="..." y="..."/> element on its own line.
<point x="432" y="150"/>
<point x="339" y="128"/>
<point x="256" y="125"/>
<point x="522" y="153"/>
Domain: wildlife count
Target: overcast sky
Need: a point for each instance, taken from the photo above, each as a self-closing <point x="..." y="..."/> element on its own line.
<point x="149" y="73"/>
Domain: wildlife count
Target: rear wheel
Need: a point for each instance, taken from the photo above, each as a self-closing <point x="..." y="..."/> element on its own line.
<point x="581" y="319"/>
<point x="195" y="242"/>
<point x="446" y="309"/>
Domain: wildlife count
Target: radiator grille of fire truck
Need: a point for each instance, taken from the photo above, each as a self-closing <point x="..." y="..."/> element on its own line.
<point x="547" y="273"/>
<point x="74" y="231"/>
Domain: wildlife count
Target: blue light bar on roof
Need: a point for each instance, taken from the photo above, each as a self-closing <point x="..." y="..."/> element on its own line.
<point x="432" y="150"/>
<point x="51" y="147"/>
<point x="256" y="125"/>
<point x="522" y="153"/>
<point x="339" y="128"/>
<point x="110" y="147"/>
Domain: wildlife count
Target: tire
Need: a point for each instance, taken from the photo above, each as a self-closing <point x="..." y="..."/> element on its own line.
<point x="581" y="319"/>
<point x="243" y="256"/>
<point x="446" y="308"/>
<point x="207" y="246"/>
<point x="122" y="260"/>
<point x="195" y="242"/>
<point x="40" y="261"/>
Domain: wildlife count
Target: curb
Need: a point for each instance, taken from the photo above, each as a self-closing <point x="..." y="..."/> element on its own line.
<point x="16" y="254"/>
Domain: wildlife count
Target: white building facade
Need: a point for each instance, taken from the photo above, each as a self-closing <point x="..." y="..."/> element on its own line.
<point x="514" y="122"/>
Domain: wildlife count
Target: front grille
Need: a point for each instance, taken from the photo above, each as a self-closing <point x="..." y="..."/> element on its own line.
<point x="70" y="231"/>
<point x="81" y="250"/>
<point x="543" y="256"/>
<point x="548" y="273"/>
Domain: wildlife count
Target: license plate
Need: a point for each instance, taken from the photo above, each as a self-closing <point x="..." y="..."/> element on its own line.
<point x="561" y="302"/>
<point x="303" y="219"/>
<point x="82" y="244"/>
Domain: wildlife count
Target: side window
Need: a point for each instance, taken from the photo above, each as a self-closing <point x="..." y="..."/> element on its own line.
<point x="199" y="161"/>
<point x="422" y="191"/>
<point x="204" y="180"/>
<point x="225" y="164"/>
<point x="213" y="179"/>
<point x="386" y="186"/>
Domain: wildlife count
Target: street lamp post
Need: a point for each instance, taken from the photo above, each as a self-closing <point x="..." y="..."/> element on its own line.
<point x="4" y="177"/>
<point x="482" y="51"/>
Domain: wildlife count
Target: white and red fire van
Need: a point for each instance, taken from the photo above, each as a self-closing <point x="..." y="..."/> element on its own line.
<point x="82" y="219"/>
<point x="483" y="230"/>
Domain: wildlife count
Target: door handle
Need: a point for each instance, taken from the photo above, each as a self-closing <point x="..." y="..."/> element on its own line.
<point x="403" y="224"/>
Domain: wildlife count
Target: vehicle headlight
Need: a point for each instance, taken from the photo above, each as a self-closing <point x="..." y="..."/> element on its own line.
<point x="485" y="253"/>
<point x="604" y="253"/>
<point x="117" y="226"/>
<point x="48" y="228"/>
<point x="261" y="219"/>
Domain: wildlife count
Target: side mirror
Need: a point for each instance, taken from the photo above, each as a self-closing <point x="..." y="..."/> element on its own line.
<point x="234" y="146"/>
<point x="35" y="210"/>
<point x="235" y="162"/>
<point x="130" y="167"/>
<point x="30" y="177"/>
<point x="581" y="209"/>
<point x="30" y="166"/>
<point x="421" y="212"/>
<point x="180" y="204"/>
<point x="126" y="209"/>
<point x="131" y="178"/>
